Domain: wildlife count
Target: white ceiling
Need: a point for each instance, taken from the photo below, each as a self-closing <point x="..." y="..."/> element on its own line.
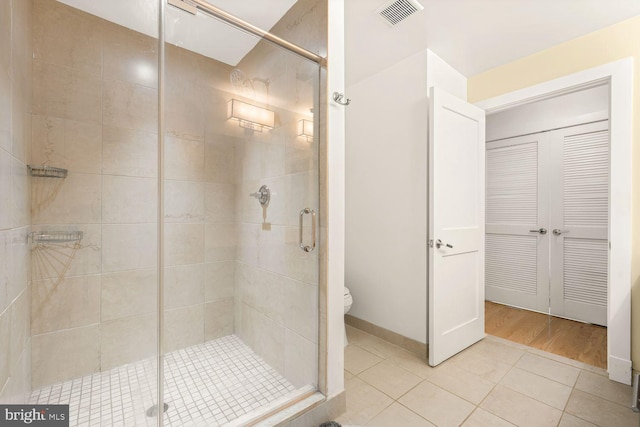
<point x="199" y="33"/>
<point x="471" y="35"/>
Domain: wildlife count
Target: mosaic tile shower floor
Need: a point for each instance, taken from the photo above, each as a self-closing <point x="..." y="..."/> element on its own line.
<point x="209" y="384"/>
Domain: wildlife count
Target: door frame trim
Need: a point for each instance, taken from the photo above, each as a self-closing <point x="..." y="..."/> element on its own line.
<point x="619" y="76"/>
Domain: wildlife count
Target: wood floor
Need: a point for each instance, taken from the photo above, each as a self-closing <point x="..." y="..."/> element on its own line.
<point x="578" y="341"/>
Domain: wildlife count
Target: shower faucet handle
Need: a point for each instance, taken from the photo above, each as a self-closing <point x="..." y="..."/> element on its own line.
<point x="263" y="195"/>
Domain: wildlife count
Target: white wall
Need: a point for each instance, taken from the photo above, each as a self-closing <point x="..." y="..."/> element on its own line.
<point x="443" y="75"/>
<point x="386" y="192"/>
<point x="336" y="195"/>
<point x="386" y="200"/>
<point x="567" y="110"/>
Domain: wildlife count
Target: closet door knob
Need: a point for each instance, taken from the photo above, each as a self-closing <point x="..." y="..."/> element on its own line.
<point x="540" y="231"/>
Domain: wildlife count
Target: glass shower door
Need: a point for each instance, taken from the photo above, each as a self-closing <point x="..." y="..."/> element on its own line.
<point x="241" y="223"/>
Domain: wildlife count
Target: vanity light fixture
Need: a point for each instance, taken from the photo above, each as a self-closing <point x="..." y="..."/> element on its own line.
<point x="250" y="116"/>
<point x="305" y="128"/>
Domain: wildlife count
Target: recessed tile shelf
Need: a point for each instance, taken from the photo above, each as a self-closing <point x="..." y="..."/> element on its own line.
<point x="47" y="172"/>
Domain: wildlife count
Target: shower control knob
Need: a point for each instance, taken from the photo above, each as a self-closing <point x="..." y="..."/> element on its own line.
<point x="263" y="195"/>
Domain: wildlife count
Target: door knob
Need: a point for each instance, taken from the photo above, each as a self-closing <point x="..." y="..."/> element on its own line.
<point x="440" y="244"/>
<point x="557" y="231"/>
<point x="540" y="231"/>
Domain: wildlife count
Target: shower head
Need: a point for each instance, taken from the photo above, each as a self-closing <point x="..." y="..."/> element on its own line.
<point x="245" y="85"/>
<point x="242" y="83"/>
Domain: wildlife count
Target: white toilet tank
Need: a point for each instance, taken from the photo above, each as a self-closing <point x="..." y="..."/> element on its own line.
<point x="348" y="300"/>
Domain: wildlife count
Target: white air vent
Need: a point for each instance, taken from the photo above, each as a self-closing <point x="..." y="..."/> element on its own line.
<point x="398" y="10"/>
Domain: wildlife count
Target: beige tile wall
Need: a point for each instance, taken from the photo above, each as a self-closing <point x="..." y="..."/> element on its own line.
<point x="15" y="142"/>
<point x="199" y="203"/>
<point x="95" y="116"/>
<point x="95" y="113"/>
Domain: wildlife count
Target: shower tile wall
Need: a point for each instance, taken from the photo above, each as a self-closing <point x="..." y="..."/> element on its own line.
<point x="96" y="117"/>
<point x="15" y="141"/>
<point x="200" y="202"/>
<point x="95" y="113"/>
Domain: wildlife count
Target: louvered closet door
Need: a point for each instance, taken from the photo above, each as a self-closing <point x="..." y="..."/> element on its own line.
<point x="579" y="251"/>
<point x="516" y="263"/>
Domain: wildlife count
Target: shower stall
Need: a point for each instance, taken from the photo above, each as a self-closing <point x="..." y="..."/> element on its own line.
<point x="162" y="246"/>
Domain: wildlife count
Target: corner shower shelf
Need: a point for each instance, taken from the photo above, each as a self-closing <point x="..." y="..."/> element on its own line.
<point x="47" y="172"/>
<point x="56" y="236"/>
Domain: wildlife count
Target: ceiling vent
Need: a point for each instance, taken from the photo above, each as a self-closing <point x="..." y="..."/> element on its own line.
<point x="398" y="10"/>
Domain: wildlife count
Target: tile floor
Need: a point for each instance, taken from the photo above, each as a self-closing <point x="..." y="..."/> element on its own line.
<point x="206" y="385"/>
<point x="493" y="383"/>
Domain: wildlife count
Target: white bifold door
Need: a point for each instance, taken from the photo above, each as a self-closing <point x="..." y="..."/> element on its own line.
<point x="547" y="213"/>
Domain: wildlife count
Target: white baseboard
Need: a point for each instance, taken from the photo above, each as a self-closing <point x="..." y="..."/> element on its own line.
<point x="620" y="370"/>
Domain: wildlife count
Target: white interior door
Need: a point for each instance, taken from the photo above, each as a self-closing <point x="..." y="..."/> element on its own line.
<point x="456" y="225"/>
<point x="517" y="229"/>
<point x="579" y="222"/>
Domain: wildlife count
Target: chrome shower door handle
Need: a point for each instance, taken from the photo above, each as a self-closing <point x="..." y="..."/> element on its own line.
<point x="304" y="212"/>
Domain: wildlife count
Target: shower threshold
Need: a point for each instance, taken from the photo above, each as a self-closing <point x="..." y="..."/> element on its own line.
<point x="210" y="384"/>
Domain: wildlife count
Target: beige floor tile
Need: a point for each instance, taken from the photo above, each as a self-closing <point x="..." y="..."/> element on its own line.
<point x="347" y="376"/>
<point x="364" y="402"/>
<point x="390" y="379"/>
<point x="461" y="383"/>
<point x="548" y="368"/>
<point x="372" y="344"/>
<point x="539" y="388"/>
<point x="397" y="415"/>
<point x="482" y="418"/>
<point x="497" y="351"/>
<point x="437" y="405"/>
<point x="343" y="420"/>
<point x="600" y="411"/>
<point x="604" y="387"/>
<point x="357" y="359"/>
<point x="519" y="409"/>
<point x="569" y="420"/>
<point x="412" y="363"/>
<point x="485" y="367"/>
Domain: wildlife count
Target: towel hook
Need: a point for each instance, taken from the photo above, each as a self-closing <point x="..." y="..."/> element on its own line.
<point x="339" y="96"/>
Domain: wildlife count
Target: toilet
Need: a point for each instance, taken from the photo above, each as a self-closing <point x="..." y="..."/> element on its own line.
<point x="348" y="301"/>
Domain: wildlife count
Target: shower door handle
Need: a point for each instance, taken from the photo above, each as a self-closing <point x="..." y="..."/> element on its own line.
<point x="304" y="212"/>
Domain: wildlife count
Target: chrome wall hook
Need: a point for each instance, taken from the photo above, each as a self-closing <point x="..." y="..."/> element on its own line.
<point x="339" y="96"/>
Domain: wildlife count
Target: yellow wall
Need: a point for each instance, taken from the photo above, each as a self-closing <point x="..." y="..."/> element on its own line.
<point x="607" y="45"/>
